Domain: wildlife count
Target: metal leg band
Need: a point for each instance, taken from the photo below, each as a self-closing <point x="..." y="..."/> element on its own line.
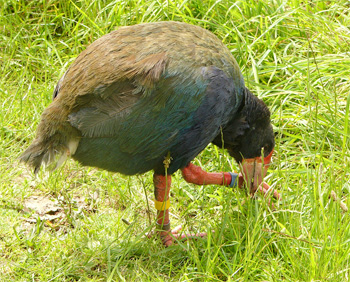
<point x="164" y="227"/>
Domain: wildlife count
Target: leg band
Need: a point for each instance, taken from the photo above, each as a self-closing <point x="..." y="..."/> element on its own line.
<point x="234" y="180"/>
<point x="164" y="227"/>
<point x="162" y="206"/>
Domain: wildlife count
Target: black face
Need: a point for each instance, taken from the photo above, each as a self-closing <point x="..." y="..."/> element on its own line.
<point x="256" y="140"/>
<point x="249" y="132"/>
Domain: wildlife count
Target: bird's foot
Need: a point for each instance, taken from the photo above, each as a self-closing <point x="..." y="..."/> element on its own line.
<point x="266" y="190"/>
<point x="168" y="237"/>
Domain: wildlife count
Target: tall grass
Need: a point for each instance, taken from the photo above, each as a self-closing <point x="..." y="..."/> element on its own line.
<point x="295" y="55"/>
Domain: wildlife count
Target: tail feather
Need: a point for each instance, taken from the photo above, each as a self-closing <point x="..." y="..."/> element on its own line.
<point x="41" y="153"/>
<point x="50" y="154"/>
<point x="55" y="139"/>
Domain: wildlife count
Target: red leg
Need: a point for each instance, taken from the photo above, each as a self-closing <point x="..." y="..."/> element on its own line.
<point x="162" y="202"/>
<point x="194" y="174"/>
<point x="161" y="191"/>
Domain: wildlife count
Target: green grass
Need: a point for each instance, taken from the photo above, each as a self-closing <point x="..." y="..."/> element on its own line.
<point x="294" y="54"/>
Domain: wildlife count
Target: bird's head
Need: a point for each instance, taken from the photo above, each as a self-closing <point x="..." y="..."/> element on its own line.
<point x="249" y="139"/>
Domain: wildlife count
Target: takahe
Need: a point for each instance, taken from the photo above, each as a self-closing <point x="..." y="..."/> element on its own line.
<point x="152" y="97"/>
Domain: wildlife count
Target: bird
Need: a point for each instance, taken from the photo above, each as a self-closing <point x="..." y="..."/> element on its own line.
<point x="151" y="97"/>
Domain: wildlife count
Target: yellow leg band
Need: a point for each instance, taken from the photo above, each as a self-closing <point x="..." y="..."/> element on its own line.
<point x="162" y="206"/>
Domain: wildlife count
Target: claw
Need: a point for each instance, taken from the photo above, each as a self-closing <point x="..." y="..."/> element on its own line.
<point x="265" y="189"/>
<point x="168" y="237"/>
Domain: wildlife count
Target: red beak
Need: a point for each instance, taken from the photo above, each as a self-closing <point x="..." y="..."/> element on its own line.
<point x="254" y="170"/>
